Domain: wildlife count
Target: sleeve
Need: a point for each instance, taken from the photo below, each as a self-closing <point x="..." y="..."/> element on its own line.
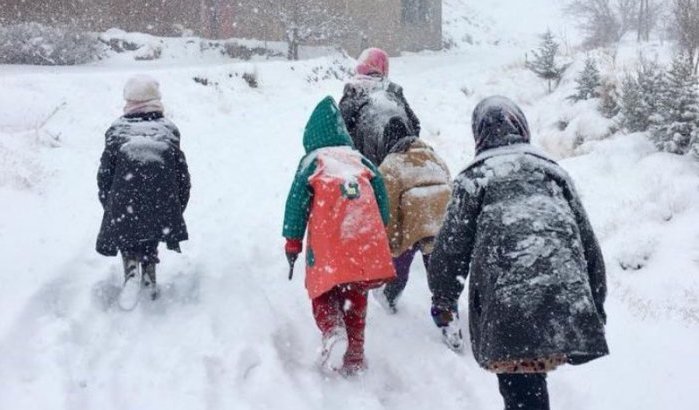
<point x="184" y="183"/>
<point x="105" y="174"/>
<point x="412" y="118"/>
<point x="349" y="108"/>
<point x="451" y="259"/>
<point x="593" y="253"/>
<point x="377" y="184"/>
<point x="298" y="202"/>
<point x="394" y="190"/>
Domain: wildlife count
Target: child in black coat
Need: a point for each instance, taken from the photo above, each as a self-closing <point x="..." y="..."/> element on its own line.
<point x="517" y="228"/>
<point x="143" y="185"/>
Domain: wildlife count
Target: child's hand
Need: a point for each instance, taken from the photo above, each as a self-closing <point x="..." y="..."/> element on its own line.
<point x="293" y="246"/>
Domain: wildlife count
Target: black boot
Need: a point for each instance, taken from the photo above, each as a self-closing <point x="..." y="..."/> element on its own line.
<point x="524" y="391"/>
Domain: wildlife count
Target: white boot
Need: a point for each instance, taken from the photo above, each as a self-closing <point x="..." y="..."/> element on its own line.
<point x="453" y="337"/>
<point x="333" y="349"/>
<point x="131" y="291"/>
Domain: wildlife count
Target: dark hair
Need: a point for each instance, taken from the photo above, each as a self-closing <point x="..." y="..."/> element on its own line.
<point x="396" y="137"/>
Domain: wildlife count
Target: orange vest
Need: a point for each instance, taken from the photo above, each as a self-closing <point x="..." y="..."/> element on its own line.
<point x="346" y="241"/>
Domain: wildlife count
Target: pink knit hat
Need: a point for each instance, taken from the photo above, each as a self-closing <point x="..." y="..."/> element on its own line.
<point x="373" y="61"/>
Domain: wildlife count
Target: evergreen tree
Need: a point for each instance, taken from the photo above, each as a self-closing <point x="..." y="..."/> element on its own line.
<point x="609" y="104"/>
<point x="632" y="117"/>
<point x="544" y="63"/>
<point x="680" y="109"/>
<point x="642" y="97"/>
<point x="589" y="82"/>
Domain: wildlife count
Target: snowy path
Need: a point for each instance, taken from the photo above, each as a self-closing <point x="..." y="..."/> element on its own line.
<point x="230" y="331"/>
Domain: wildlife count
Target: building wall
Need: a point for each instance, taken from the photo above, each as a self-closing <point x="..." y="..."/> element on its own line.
<point x="159" y="17"/>
<point x="377" y="23"/>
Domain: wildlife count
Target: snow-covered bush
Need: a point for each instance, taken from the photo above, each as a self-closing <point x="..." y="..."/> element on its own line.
<point x="251" y="78"/>
<point x="337" y="69"/>
<point x="36" y="44"/>
<point x="236" y="50"/>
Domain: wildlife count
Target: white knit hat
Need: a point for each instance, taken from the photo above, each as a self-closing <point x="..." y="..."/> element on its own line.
<point x="142" y="95"/>
<point x="141" y="88"/>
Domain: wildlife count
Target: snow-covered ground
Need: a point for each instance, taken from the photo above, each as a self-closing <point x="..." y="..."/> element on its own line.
<point x="230" y="332"/>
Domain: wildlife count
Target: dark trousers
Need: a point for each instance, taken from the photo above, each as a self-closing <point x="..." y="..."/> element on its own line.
<point x="524" y="391"/>
<point x="145" y="252"/>
<point x="402" y="263"/>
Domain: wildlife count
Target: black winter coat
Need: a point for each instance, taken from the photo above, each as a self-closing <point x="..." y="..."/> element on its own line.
<point x="367" y="106"/>
<point x="143" y="184"/>
<point x="516" y="226"/>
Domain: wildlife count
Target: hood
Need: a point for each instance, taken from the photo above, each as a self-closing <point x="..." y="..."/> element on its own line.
<point x="373" y="61"/>
<point x="498" y="122"/>
<point x="326" y="128"/>
<point x="396" y="136"/>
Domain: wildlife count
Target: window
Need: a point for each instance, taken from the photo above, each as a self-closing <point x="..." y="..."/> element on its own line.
<point x="414" y="11"/>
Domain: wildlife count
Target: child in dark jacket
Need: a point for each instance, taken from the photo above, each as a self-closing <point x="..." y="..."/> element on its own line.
<point x="370" y="100"/>
<point x="537" y="285"/>
<point x="340" y="196"/>
<point x="143" y="184"/>
<point x="419" y="188"/>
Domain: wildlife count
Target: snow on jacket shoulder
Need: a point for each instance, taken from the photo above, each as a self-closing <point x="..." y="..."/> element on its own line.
<point x="419" y="188"/>
<point x="366" y="106"/>
<point x="143" y="183"/>
<point x="537" y="285"/>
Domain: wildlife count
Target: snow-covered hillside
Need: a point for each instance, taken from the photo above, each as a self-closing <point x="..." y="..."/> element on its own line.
<point x="230" y="332"/>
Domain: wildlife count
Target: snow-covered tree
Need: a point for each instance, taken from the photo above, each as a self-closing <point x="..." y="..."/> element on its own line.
<point x="545" y="60"/>
<point x="305" y="21"/>
<point x="685" y="28"/>
<point x="649" y="12"/>
<point x="588" y="83"/>
<point x="679" y="110"/>
<point x="604" y="22"/>
<point x="631" y="115"/>
<point x="609" y="104"/>
<point x="642" y="95"/>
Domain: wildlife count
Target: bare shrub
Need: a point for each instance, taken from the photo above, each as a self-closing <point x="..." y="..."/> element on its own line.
<point x="36" y="44"/>
<point x="251" y="78"/>
<point x="685" y="28"/>
<point x="605" y="22"/>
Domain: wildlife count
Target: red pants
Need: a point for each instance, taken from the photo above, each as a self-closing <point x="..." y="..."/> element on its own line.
<point x="344" y="305"/>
